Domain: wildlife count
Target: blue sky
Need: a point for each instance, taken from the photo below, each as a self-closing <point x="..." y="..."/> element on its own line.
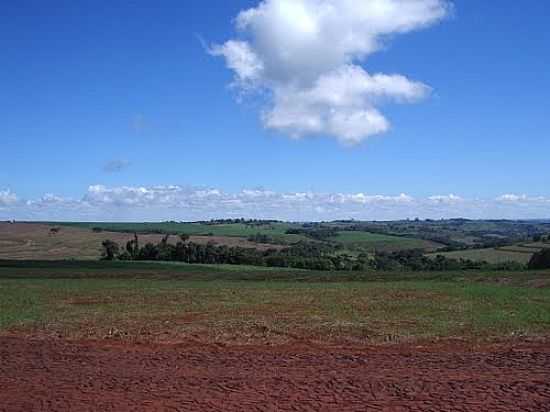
<point x="134" y="95"/>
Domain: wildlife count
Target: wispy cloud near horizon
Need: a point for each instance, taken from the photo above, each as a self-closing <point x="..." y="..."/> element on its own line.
<point x="156" y="203"/>
<point x="7" y="198"/>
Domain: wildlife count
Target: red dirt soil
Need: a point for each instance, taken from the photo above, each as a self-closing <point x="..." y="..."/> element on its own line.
<point x="54" y="375"/>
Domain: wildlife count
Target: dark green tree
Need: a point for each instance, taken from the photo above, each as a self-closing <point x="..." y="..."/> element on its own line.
<point x="132" y="247"/>
<point x="540" y="260"/>
<point x="110" y="250"/>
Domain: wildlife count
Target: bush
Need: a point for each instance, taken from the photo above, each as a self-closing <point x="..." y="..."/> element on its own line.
<point x="110" y="250"/>
<point x="540" y="260"/>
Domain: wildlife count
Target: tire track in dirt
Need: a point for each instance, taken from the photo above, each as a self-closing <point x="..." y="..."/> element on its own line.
<point x="50" y="375"/>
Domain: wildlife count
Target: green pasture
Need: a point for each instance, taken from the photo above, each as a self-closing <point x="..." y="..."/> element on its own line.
<point x="491" y="255"/>
<point x="374" y="241"/>
<point x="276" y="230"/>
<point x="168" y="303"/>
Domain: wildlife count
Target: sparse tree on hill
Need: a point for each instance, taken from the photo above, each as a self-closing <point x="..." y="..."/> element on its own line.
<point x="132" y="247"/>
<point x="110" y="250"/>
<point x="149" y="252"/>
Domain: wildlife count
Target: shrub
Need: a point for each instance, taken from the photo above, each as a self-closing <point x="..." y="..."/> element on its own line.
<point x="540" y="260"/>
<point x="110" y="250"/>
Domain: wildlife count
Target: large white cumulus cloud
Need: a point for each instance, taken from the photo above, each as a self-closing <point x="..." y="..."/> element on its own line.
<point x="305" y="54"/>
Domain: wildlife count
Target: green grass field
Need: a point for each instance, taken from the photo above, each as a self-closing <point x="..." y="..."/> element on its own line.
<point x="171" y="302"/>
<point x="359" y="240"/>
<point x="501" y="255"/>
<point x="276" y="230"/>
<point x="374" y="241"/>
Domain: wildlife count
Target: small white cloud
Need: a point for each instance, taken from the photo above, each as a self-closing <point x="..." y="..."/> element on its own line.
<point x="51" y="201"/>
<point x="512" y="198"/>
<point x="131" y="196"/>
<point x="240" y="58"/>
<point x="7" y="198"/>
<point x="446" y="198"/>
<point x="362" y="198"/>
<point x="49" y="198"/>
<point x="305" y="53"/>
<point x="257" y="194"/>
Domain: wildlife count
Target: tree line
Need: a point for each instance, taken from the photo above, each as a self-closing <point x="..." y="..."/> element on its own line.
<point x="321" y="233"/>
<point x="302" y="255"/>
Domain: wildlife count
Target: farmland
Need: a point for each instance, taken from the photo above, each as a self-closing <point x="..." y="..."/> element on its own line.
<point x="277" y="230"/>
<point x="83" y="241"/>
<point x="36" y="241"/>
<point x="520" y="253"/>
<point x="490" y="255"/>
<point x="373" y="241"/>
<point x="121" y="335"/>
<point x="167" y="302"/>
<point x="158" y="335"/>
<point x="332" y="245"/>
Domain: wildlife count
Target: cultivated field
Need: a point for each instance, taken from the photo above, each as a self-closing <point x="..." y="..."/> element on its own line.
<point x="147" y="336"/>
<point x="77" y="333"/>
<point x="221" y="308"/>
<point x="371" y="242"/>
<point x="98" y="376"/>
<point x="275" y="230"/>
<point x="37" y="241"/>
<point x="128" y="336"/>
<point x="514" y="253"/>
<point x="78" y="241"/>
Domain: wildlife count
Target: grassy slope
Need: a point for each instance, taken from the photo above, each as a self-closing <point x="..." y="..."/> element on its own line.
<point x="374" y="241"/>
<point x="34" y="241"/>
<point x="276" y="230"/>
<point x="216" y="305"/>
<point x="232" y="310"/>
<point x="516" y="253"/>
<point x="368" y="241"/>
<point x="521" y="253"/>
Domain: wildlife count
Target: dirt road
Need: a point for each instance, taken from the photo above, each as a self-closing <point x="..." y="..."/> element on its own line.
<point x="51" y="375"/>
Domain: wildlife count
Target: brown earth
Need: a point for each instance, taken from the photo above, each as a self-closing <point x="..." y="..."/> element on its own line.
<point x="21" y="241"/>
<point x="55" y="375"/>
